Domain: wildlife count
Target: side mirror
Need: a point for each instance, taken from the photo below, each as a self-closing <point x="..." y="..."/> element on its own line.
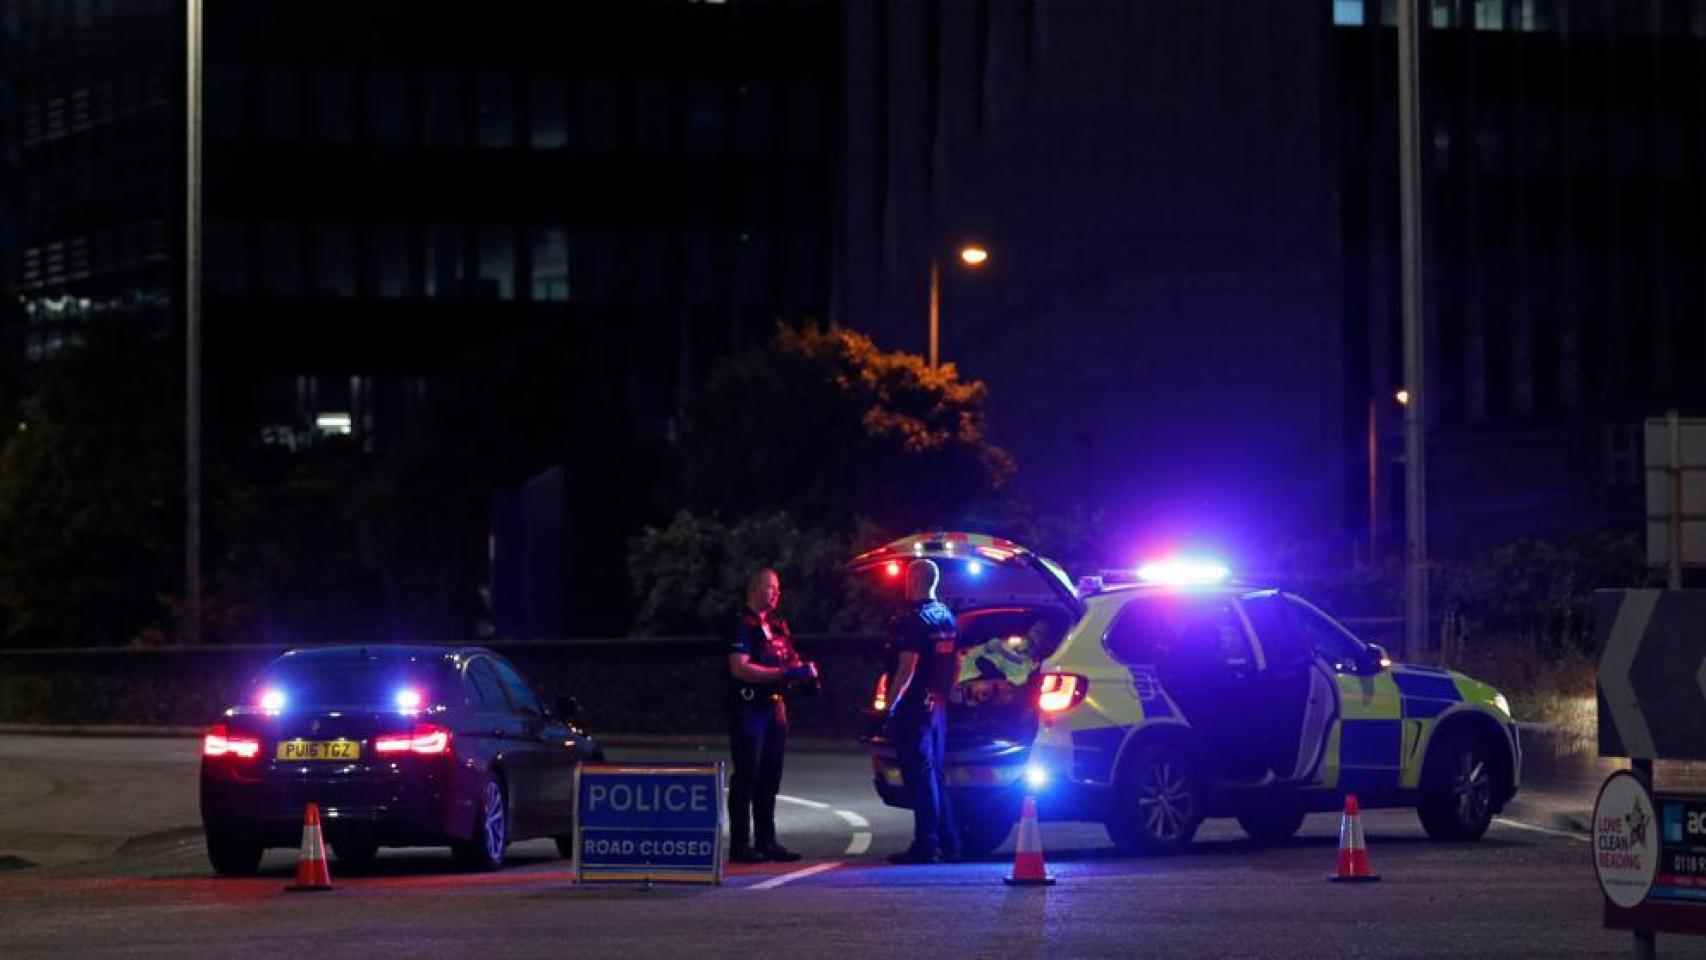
<point x="567" y="709"/>
<point x="1378" y="659"/>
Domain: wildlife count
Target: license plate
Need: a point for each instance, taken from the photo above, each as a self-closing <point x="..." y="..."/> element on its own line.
<point x="319" y="750"/>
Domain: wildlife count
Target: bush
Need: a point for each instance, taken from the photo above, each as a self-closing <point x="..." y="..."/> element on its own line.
<point x="691" y="575"/>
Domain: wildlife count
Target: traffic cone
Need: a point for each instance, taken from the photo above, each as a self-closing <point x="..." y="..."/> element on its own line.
<point x="1353" y="851"/>
<point x="1028" y="867"/>
<point x="311" y="872"/>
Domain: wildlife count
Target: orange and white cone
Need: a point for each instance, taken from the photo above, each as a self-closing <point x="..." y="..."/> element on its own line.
<point x="311" y="872"/>
<point x="1353" y="850"/>
<point x="1028" y="867"/>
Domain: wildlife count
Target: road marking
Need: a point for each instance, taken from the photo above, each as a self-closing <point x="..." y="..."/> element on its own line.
<point x="1546" y="830"/>
<point x="861" y="841"/>
<point x="854" y="820"/>
<point x="802" y="801"/>
<point x="800" y="874"/>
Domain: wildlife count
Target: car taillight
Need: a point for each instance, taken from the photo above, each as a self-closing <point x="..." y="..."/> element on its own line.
<point x="1060" y="692"/>
<point x="220" y="743"/>
<point x="880" y="700"/>
<point x="427" y="739"/>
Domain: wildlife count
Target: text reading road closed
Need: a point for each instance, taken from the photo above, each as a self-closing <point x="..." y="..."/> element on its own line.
<point x="651" y="849"/>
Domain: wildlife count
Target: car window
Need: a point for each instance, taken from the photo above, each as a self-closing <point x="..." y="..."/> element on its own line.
<point x="1176" y="631"/>
<point x="520" y="693"/>
<point x="1283" y="641"/>
<point x="485" y="687"/>
<point x="1332" y="642"/>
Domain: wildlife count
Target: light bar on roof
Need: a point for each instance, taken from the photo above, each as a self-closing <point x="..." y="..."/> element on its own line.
<point x="1183" y="572"/>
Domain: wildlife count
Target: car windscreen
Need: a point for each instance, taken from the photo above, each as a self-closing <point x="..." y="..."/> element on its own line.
<point x="358" y="684"/>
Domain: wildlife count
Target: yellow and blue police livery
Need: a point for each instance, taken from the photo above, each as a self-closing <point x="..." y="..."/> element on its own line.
<point x="1154" y="705"/>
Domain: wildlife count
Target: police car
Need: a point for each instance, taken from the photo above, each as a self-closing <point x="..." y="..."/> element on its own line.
<point x="1152" y="705"/>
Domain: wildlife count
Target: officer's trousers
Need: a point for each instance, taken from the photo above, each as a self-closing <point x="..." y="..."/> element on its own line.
<point x="921" y="741"/>
<point x="758" y="737"/>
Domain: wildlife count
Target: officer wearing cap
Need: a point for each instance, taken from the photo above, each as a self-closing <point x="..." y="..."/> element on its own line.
<point x="925" y="637"/>
<point x="762" y="663"/>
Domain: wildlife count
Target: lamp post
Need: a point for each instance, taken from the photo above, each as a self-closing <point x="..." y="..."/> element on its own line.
<point x="192" y="326"/>
<point x="973" y="256"/>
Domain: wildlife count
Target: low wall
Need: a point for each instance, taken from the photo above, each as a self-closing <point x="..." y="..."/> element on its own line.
<point x="630" y="686"/>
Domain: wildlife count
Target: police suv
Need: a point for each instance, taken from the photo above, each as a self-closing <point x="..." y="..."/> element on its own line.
<point x="1152" y="705"/>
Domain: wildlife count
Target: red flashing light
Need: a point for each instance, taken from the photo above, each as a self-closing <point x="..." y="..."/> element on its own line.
<point x="427" y="739"/>
<point x="220" y="743"/>
<point x="880" y="701"/>
<point x="892" y="568"/>
<point x="1060" y="692"/>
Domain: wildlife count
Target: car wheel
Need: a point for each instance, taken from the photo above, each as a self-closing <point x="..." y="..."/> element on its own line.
<point x="981" y="834"/>
<point x="1158" y="804"/>
<point x="484" y="850"/>
<point x="1275" y="824"/>
<point x="232" y="854"/>
<point x="1457" y="790"/>
<point x="356" y="853"/>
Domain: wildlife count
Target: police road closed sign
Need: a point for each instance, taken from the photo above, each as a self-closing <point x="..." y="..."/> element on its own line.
<point x="1625" y="840"/>
<point x="649" y="822"/>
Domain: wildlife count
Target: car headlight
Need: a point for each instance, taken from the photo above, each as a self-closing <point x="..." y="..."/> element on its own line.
<point x="1503" y="704"/>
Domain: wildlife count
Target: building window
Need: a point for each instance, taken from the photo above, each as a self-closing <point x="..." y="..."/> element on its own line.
<point x="1347" y="13"/>
<point x="752" y="268"/>
<point x="441" y="110"/>
<point x="497" y="111"/>
<point x="334" y="104"/>
<point x="651" y="115"/>
<point x="497" y="263"/>
<point x="548" y="112"/>
<point x="599" y="112"/>
<point x="1489" y="14"/>
<point x="334" y="260"/>
<point x="755" y="119"/>
<point x="226" y="245"/>
<point x="701" y="266"/>
<point x="594" y="261"/>
<point x="648" y="254"/>
<point x="226" y="110"/>
<point x="1444" y="14"/>
<point x="281" y="258"/>
<point x="281" y="103"/>
<point x="706" y="117"/>
<point x="444" y="270"/>
<point x="387" y="106"/>
<point x="388" y="259"/>
<point x="550" y="264"/>
<point x="805" y="119"/>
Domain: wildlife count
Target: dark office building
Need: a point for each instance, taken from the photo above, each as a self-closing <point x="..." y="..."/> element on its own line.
<point x="11" y="133"/>
<point x="629" y="188"/>
<point x="389" y="187"/>
<point x="1565" y="156"/>
<point x="1158" y="320"/>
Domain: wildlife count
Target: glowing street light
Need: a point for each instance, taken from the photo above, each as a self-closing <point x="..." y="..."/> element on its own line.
<point x="972" y="256"/>
<point x="1403" y="397"/>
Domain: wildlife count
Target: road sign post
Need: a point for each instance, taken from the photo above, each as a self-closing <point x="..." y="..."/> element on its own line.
<point x="649" y="823"/>
<point x="1650" y="849"/>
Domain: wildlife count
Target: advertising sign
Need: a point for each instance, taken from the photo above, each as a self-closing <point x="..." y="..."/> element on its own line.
<point x="649" y="822"/>
<point x="1625" y="840"/>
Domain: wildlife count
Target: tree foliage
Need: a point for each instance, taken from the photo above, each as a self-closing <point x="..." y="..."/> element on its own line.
<point x="90" y="498"/>
<point x="830" y="429"/>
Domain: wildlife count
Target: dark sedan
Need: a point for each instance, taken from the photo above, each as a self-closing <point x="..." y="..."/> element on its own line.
<point x="399" y="746"/>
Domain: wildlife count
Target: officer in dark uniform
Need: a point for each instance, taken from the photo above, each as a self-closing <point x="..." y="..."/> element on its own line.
<point x="925" y="638"/>
<point x="762" y="664"/>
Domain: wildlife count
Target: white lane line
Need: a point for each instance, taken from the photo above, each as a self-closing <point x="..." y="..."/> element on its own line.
<point x="1546" y="830"/>
<point x="860" y="843"/>
<point x="802" y="801"/>
<point x="854" y="820"/>
<point x="800" y="874"/>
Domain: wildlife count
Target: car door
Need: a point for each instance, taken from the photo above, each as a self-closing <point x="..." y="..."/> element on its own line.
<point x="498" y="725"/>
<point x="1209" y="668"/>
<point x="1297" y="692"/>
<point x="1369" y="738"/>
<point x="546" y="756"/>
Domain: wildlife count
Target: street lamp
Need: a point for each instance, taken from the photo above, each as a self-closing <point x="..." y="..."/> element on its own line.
<point x="972" y="256"/>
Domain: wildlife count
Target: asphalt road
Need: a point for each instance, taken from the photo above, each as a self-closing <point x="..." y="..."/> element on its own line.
<point x="122" y="873"/>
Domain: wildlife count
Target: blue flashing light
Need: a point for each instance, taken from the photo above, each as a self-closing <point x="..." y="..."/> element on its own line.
<point x="1036" y="776"/>
<point x="975" y="568"/>
<point x="272" y="701"/>
<point x="409" y="701"/>
<point x="1183" y="572"/>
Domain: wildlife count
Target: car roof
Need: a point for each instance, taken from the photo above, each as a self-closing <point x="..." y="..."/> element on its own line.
<point x="380" y="652"/>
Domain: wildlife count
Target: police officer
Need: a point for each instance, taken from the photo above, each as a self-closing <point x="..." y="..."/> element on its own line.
<point x="924" y="636"/>
<point x="762" y="662"/>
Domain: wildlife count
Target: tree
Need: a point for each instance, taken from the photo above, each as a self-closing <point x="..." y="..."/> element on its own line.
<point x="90" y="504"/>
<point x="830" y="429"/>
